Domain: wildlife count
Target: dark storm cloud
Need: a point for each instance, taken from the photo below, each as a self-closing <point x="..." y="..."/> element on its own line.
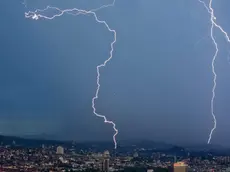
<point x="158" y="86"/>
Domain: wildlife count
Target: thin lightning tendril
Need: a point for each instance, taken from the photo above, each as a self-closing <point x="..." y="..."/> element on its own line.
<point x="24" y="3"/>
<point x="74" y="11"/>
<point x="213" y="24"/>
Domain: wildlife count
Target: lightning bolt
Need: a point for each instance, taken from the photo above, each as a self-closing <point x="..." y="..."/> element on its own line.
<point x="74" y="11"/>
<point x="24" y="3"/>
<point x="213" y="24"/>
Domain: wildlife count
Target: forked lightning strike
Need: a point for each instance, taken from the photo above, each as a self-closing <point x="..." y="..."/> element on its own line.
<point x="213" y="24"/>
<point x="24" y="3"/>
<point x="74" y="11"/>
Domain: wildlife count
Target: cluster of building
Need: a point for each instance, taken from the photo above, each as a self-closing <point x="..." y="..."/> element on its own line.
<point x="51" y="158"/>
<point x="55" y="158"/>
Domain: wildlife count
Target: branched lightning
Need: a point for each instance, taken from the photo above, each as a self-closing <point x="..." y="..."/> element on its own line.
<point x="213" y="24"/>
<point x="24" y="3"/>
<point x="74" y="11"/>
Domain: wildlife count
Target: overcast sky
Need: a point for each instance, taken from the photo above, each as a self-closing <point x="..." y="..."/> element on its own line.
<point x="157" y="86"/>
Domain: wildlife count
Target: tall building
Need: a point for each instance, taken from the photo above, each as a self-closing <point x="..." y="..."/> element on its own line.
<point x="105" y="165"/>
<point x="175" y="159"/>
<point x="60" y="150"/>
<point x="180" y="167"/>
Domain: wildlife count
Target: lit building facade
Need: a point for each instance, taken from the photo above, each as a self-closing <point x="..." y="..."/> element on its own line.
<point x="60" y="150"/>
<point x="180" y="167"/>
<point x="105" y="164"/>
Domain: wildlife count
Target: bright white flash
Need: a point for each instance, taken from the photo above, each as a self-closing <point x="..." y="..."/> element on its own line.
<point x="74" y="11"/>
<point x="213" y="24"/>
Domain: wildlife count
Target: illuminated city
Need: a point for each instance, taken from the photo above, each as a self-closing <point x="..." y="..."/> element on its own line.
<point x="114" y="86"/>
